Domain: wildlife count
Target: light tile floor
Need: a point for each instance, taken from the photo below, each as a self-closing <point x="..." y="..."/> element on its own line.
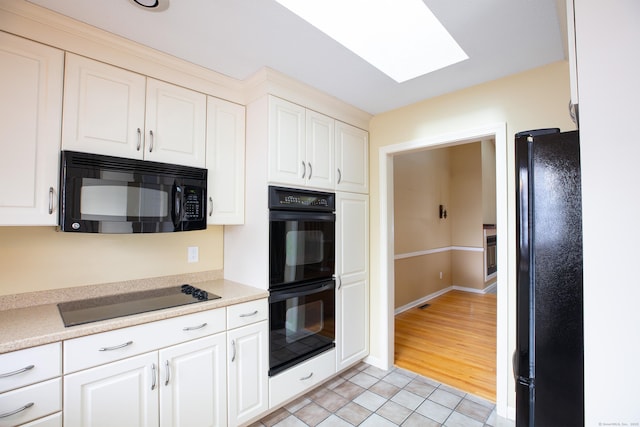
<point x="368" y="396"/>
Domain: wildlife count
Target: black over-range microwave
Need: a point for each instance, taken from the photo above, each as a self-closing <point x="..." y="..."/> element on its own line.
<point x="105" y="194"/>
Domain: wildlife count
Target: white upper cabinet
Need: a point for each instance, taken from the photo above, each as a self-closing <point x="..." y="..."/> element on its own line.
<point x="301" y="146"/>
<point x="31" y="78"/>
<point x="103" y="108"/>
<point x="320" y="149"/>
<point x="352" y="158"/>
<point x="287" y="146"/>
<point x="225" y="161"/>
<point x="112" y="111"/>
<point x="309" y="149"/>
<point x="175" y="124"/>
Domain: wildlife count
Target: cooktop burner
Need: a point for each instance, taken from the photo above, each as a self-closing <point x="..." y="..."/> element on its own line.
<point x="109" y="307"/>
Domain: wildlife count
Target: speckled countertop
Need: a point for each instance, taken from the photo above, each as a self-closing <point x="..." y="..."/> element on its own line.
<point x="29" y="320"/>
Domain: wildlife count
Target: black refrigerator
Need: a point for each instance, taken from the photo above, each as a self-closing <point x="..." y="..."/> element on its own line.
<point x="549" y="355"/>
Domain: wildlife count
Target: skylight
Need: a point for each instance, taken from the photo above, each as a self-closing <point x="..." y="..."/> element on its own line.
<point x="401" y="38"/>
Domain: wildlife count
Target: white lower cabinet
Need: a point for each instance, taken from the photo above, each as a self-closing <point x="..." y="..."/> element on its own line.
<point x="247" y="362"/>
<point x="301" y="378"/>
<point x="122" y="393"/>
<point x="29" y="403"/>
<point x="54" y="420"/>
<point x="352" y="271"/>
<point x="30" y="384"/>
<point x="193" y="383"/>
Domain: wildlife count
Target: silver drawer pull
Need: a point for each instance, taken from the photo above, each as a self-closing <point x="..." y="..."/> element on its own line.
<point x="115" y="347"/>
<point x="194" y="328"/>
<point x="307" y="377"/>
<point x="19" y="371"/>
<point x="249" y="314"/>
<point x="24" y="408"/>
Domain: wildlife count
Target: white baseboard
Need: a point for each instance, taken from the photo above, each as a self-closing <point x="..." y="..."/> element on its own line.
<point x="422" y="300"/>
<point x="429" y="297"/>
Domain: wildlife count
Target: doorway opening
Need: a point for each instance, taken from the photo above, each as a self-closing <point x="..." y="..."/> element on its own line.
<point x="444" y="206"/>
<point x="387" y="250"/>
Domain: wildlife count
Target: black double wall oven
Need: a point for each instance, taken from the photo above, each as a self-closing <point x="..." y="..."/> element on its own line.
<point x="301" y="275"/>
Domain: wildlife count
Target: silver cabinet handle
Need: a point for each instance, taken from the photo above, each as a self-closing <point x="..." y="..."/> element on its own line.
<point x="153" y="376"/>
<point x="16" y="372"/>
<point x="139" y="140"/>
<point x="307" y="377"/>
<point x="339" y="175"/>
<point x="168" y="373"/>
<point x="210" y="206"/>
<point x="150" y="141"/>
<point x="339" y="280"/>
<point x="115" y="347"/>
<point x="50" y="200"/>
<point x="233" y="350"/>
<point x="194" y="328"/>
<point x="16" y="411"/>
<point x="249" y="314"/>
<point x="304" y="170"/>
<point x="310" y="170"/>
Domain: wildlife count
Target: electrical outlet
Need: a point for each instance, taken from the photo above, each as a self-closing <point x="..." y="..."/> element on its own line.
<point x="441" y="275"/>
<point x="192" y="254"/>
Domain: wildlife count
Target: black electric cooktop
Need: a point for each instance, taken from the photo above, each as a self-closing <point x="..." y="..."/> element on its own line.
<point x="109" y="307"/>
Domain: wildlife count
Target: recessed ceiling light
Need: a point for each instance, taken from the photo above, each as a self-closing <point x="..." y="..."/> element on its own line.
<point x="402" y="38"/>
<point x="155" y="5"/>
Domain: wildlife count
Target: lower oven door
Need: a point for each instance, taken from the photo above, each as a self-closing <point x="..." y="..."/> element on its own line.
<point x="301" y="323"/>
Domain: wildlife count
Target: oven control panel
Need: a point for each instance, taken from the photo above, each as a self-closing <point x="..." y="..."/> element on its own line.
<point x="299" y="199"/>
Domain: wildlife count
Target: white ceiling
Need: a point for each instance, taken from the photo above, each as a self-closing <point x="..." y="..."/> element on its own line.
<point x="239" y="37"/>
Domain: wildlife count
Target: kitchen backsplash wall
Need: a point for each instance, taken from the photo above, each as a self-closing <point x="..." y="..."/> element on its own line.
<point x="41" y="258"/>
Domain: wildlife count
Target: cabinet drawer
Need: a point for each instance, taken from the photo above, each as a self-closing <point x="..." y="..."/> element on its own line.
<point x="54" y="420"/>
<point x="38" y="400"/>
<point x="29" y="366"/>
<point x="301" y="378"/>
<point x="247" y="313"/>
<point x="93" y="350"/>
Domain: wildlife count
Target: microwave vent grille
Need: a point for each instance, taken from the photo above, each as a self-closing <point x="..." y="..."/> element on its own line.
<point x="87" y="160"/>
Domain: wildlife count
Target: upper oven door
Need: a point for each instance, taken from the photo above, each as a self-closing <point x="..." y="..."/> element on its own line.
<point x="301" y="247"/>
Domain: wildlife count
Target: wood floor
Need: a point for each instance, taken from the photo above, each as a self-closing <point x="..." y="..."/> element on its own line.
<point x="452" y="341"/>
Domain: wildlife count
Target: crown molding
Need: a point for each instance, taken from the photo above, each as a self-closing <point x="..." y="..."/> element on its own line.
<point x="33" y="22"/>
<point x="269" y="81"/>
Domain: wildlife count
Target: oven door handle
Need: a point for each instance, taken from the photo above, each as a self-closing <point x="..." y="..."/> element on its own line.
<point x="277" y="296"/>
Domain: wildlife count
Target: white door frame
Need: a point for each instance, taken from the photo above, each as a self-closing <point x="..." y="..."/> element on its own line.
<point x="386" y="310"/>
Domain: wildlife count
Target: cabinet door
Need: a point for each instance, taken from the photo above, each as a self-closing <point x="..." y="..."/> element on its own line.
<point x="320" y="150"/>
<point x="103" y="109"/>
<point x="123" y="393"/>
<point x="287" y="149"/>
<point x="248" y="365"/>
<point x="175" y="124"/>
<point x="30" y="114"/>
<point x="352" y="267"/>
<point x="225" y="161"/>
<point x="193" y="383"/>
<point x="352" y="158"/>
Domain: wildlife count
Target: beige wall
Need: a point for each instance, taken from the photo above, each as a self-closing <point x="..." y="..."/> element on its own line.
<point x="421" y="183"/>
<point x="453" y="177"/>
<point x="40" y="258"/>
<point x="420" y="276"/>
<point x="465" y="209"/>
<point x="533" y="99"/>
